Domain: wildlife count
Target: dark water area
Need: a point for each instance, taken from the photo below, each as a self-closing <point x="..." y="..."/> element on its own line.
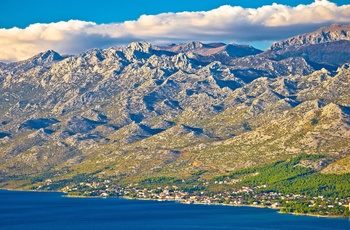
<point x="39" y="210"/>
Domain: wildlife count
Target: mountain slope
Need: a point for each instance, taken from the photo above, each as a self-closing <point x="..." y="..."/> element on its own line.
<point x="129" y="113"/>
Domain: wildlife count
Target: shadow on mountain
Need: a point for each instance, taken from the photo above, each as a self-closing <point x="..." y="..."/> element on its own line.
<point x="136" y="117"/>
<point x="2" y="135"/>
<point x="249" y="75"/>
<point x="77" y="124"/>
<point x="230" y="84"/>
<point x="150" y="130"/>
<point x="196" y="131"/>
<point x="38" y="123"/>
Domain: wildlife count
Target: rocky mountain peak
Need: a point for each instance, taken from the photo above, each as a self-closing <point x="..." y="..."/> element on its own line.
<point x="326" y="46"/>
<point x="183" y="48"/>
<point x="142" y="46"/>
<point x="335" y="32"/>
<point x="46" y="57"/>
<point x="192" y="46"/>
<point x="43" y="59"/>
<point x="210" y="52"/>
<point x="335" y="28"/>
<point x="138" y="51"/>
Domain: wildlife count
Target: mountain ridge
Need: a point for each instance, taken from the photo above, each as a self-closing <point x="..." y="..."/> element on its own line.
<point x="141" y="111"/>
<point x="316" y="46"/>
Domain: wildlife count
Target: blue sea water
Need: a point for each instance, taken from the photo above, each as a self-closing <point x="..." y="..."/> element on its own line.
<point x="39" y="210"/>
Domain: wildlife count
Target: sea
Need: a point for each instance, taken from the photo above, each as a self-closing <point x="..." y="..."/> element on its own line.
<point x="50" y="210"/>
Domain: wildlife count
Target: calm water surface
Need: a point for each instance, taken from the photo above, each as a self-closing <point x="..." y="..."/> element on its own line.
<point x="35" y="210"/>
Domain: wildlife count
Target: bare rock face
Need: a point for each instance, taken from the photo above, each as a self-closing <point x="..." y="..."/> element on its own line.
<point x="328" y="45"/>
<point x="333" y="33"/>
<point x="141" y="106"/>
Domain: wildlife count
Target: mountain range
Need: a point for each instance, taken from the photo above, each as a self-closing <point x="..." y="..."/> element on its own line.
<point x="141" y="111"/>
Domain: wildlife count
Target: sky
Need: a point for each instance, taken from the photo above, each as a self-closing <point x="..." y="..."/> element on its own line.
<point x="28" y="27"/>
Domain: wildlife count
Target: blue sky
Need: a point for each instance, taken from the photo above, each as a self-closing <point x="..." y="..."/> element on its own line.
<point x="21" y="13"/>
<point x="71" y="27"/>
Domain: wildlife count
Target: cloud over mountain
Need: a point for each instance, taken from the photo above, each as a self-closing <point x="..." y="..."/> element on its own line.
<point x="226" y="23"/>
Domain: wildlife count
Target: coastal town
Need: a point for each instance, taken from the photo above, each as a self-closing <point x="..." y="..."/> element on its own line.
<point x="245" y="196"/>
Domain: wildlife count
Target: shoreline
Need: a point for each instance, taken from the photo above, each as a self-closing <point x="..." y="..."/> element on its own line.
<point x="178" y="201"/>
<point x="219" y="204"/>
<point x="22" y="190"/>
<point x="314" y="215"/>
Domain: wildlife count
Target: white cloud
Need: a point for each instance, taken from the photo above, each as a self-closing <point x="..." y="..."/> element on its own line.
<point x="226" y="23"/>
